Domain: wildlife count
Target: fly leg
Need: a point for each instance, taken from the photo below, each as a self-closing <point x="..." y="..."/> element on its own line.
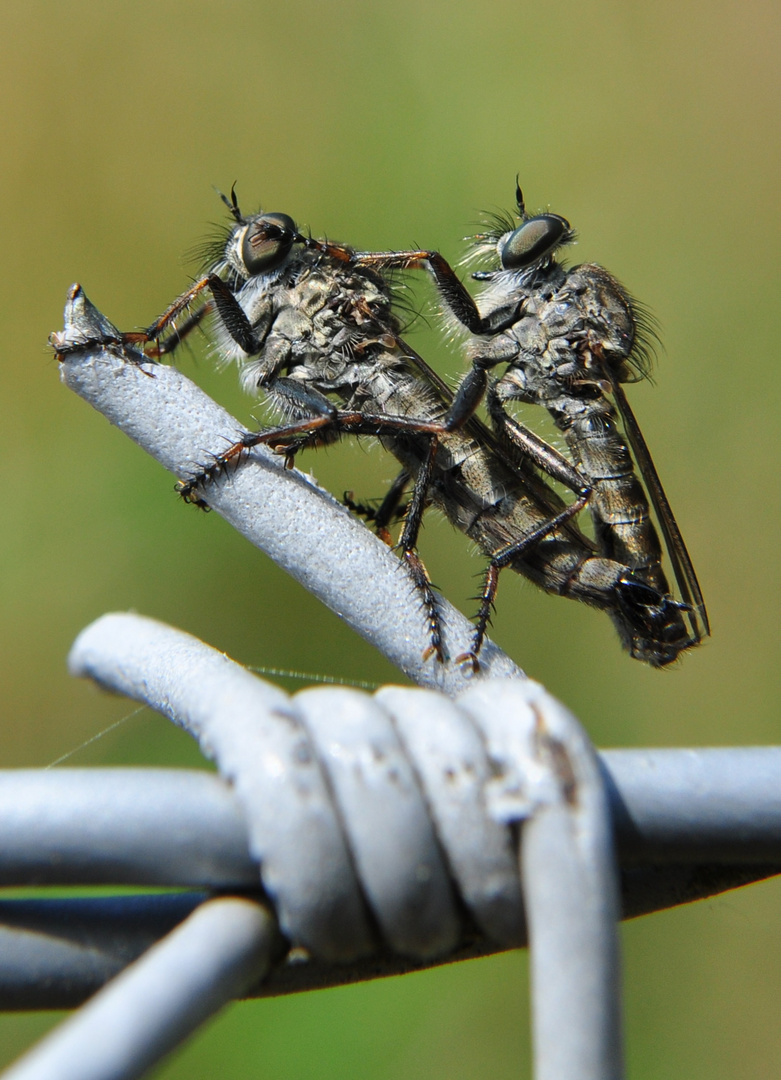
<point x="323" y="424"/>
<point x="408" y="544"/>
<point x="327" y="423"/>
<point x="524" y="442"/>
<point x="542" y="454"/>
<point x="409" y="538"/>
<point x="389" y="509"/>
<point x="316" y="429"/>
<point x="183" y="329"/>
<point x="451" y="288"/>
<point x="529" y="447"/>
<point x="151" y="341"/>
<point x="154" y="341"/>
<point x="499" y="561"/>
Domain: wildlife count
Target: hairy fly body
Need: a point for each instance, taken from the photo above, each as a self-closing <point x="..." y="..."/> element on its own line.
<point x="312" y="327"/>
<point x="569" y="338"/>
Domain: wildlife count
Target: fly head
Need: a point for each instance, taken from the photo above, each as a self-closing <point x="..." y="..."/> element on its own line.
<point x="260" y="244"/>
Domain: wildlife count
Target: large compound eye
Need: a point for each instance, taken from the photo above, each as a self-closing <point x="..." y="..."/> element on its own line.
<point x="534" y="241"/>
<point x="266" y="242"/>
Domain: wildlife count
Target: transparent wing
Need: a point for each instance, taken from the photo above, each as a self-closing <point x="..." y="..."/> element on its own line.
<point x="683" y="568"/>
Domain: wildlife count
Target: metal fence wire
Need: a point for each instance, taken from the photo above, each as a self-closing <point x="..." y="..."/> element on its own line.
<point x="346" y="835"/>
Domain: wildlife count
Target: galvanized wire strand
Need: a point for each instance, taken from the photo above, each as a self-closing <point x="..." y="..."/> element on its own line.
<point x="54" y="954"/>
<point x="569" y="877"/>
<point x="335" y="556"/>
<point x="369" y="835"/>
<point x="212" y="957"/>
<point x="168" y="827"/>
<point x="688" y="823"/>
<point x="178" y="827"/>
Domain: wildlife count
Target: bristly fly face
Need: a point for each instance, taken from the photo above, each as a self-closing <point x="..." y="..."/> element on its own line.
<point x="255" y="244"/>
<point x="528" y="245"/>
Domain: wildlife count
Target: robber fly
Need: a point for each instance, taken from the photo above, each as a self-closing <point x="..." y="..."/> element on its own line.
<point x="569" y="338"/>
<point x="313" y="328"/>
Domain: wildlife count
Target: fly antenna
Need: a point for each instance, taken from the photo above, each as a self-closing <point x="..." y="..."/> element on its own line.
<point x="232" y="203"/>
<point x="519" y="198"/>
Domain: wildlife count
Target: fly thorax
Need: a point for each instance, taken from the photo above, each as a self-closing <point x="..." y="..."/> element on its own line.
<point x="560" y="315"/>
<point x="606" y="309"/>
<point x="313" y="294"/>
<point x="294" y="323"/>
<point x="531" y="335"/>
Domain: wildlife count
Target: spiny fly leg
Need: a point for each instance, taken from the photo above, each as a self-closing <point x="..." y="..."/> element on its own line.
<point x="390" y="509"/>
<point x="482" y="620"/>
<point x="543" y="455"/>
<point x="285" y="440"/>
<point x="153" y="340"/>
<point x="408" y="545"/>
<point x="311" y="431"/>
<point x="451" y="288"/>
<point x="429" y="597"/>
<point x="118" y="346"/>
<point x="499" y="561"/>
<point x="156" y="340"/>
<point x="474" y="386"/>
<point x="182" y="330"/>
<point x="371" y="424"/>
<point x="190" y="489"/>
<point x="233" y="316"/>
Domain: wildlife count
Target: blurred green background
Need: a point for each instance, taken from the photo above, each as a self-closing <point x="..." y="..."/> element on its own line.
<point x="654" y="129"/>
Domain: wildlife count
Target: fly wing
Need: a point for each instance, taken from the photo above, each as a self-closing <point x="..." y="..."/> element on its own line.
<point x="683" y="568"/>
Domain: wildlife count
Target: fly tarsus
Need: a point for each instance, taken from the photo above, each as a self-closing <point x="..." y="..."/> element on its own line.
<point x="487" y="600"/>
<point x="391" y="509"/>
<point x="188" y="491"/>
<point x="423" y="584"/>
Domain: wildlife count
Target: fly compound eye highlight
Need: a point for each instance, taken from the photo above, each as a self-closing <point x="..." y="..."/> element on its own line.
<point x="267" y="242"/>
<point x="533" y="241"/>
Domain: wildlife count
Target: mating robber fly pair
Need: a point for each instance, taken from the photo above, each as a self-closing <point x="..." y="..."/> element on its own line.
<point x="311" y="325"/>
